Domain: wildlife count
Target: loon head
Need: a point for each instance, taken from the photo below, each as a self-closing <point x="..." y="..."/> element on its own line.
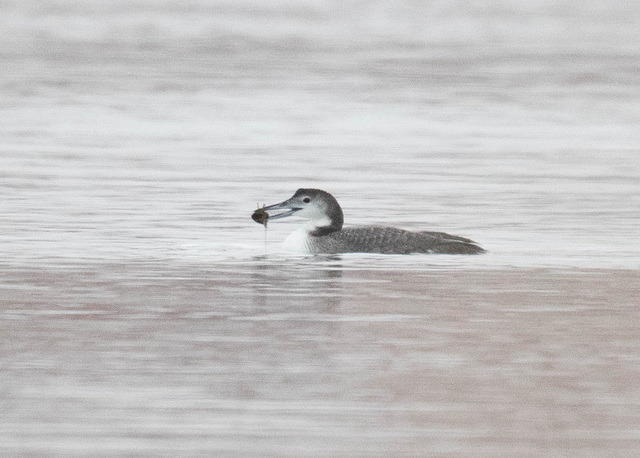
<point x="316" y="205"/>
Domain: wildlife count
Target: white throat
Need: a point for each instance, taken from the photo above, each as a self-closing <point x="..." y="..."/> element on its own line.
<point x="316" y="223"/>
<point x="300" y="240"/>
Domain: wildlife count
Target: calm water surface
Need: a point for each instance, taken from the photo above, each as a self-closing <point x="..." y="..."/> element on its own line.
<point x="143" y="313"/>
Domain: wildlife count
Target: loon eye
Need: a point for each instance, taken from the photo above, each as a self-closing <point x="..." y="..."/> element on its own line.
<point x="306" y="200"/>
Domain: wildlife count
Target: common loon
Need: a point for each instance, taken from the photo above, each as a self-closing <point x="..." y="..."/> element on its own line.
<point x="324" y="232"/>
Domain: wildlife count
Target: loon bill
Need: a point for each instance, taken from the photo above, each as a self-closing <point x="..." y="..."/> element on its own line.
<point x="324" y="232"/>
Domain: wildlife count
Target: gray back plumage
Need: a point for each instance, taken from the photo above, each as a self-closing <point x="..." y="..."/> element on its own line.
<point x="389" y="240"/>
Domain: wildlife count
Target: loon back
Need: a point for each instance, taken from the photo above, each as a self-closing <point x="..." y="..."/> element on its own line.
<point x="389" y="240"/>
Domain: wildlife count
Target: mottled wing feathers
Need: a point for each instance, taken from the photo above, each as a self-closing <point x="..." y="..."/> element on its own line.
<point x="444" y="235"/>
<point x="389" y="240"/>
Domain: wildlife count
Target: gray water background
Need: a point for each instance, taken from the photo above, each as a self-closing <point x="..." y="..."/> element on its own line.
<point x="143" y="313"/>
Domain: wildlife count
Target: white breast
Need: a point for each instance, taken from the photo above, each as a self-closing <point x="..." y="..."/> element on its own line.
<point x="298" y="241"/>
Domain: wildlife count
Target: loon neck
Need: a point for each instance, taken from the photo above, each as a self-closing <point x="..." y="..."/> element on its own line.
<point x="325" y="226"/>
<point x="319" y="231"/>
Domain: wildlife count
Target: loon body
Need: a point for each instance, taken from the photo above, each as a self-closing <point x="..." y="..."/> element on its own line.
<point x="324" y="232"/>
